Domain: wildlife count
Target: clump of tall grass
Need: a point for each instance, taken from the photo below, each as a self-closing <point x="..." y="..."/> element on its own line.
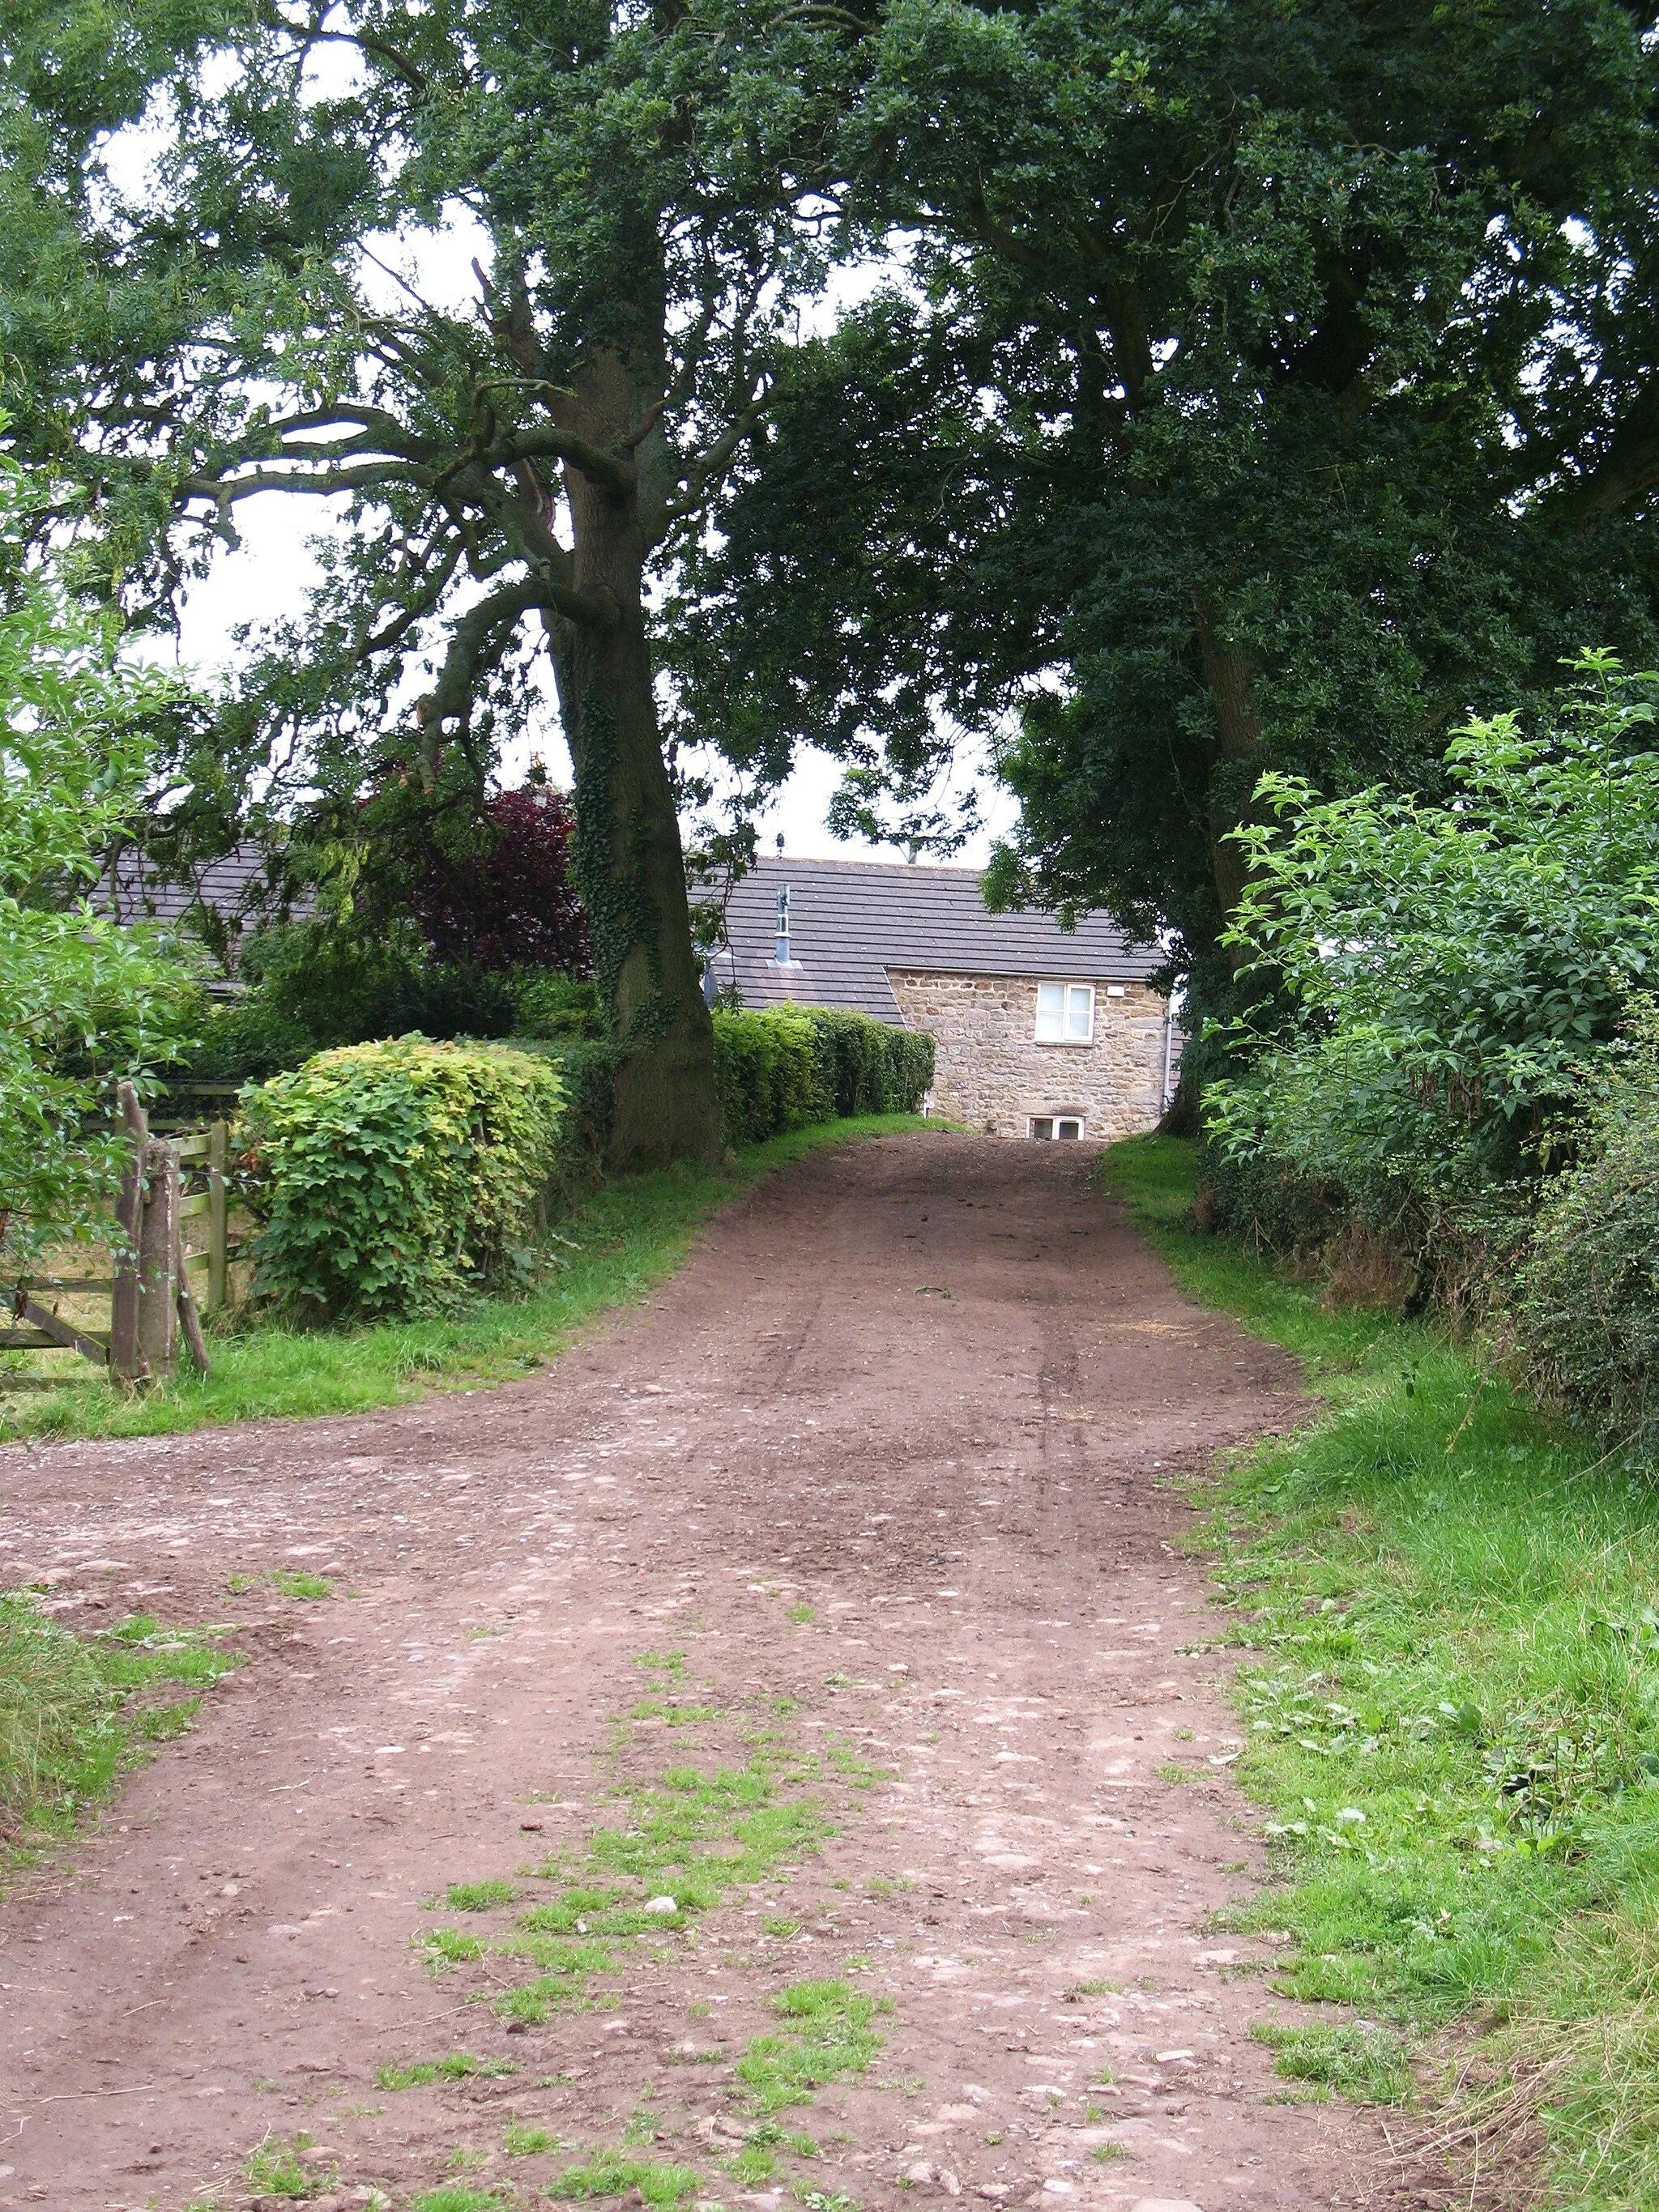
<point x="60" y="1727"/>
<point x="75" y="1711"/>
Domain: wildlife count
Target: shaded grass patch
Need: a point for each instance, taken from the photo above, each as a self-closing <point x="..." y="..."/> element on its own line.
<point x="688" y="1838"/>
<point x="453" y="2066"/>
<point x="614" y="2174"/>
<point x="826" y="2033"/>
<point x="76" y="1710"/>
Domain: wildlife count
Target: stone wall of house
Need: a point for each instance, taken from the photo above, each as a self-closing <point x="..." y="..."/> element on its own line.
<point x="991" y="1073"/>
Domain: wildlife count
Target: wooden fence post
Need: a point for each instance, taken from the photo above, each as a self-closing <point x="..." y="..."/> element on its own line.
<point x="144" y="1334"/>
<point x="158" y="1262"/>
<point x="218" y="1216"/>
<point x="124" y="1358"/>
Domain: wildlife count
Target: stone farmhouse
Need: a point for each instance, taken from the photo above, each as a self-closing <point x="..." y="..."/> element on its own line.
<point x="1039" y="1033"/>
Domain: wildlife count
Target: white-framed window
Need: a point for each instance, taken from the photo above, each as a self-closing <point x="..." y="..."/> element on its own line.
<point x="1049" y="1128"/>
<point x="1065" y="1014"/>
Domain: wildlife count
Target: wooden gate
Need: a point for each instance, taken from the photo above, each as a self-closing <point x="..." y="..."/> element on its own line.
<point x="173" y="1263"/>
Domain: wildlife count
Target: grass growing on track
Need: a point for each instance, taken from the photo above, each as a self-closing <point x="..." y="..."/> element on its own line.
<point x="620" y="1244"/>
<point x="1451" y="1711"/>
<point x="74" y="1711"/>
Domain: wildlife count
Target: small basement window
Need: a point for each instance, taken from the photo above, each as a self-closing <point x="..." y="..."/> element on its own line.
<point x="1046" y="1127"/>
<point x="1065" y="1014"/>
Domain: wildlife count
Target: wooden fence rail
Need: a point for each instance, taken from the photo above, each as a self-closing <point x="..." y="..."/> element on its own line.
<point x="172" y="1262"/>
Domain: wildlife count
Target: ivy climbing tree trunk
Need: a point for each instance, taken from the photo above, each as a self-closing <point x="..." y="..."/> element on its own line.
<point x="1230" y="677"/>
<point x="628" y="861"/>
<point x="631" y="874"/>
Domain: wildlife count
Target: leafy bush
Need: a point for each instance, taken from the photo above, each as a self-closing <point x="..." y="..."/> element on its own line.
<point x="585" y="1068"/>
<point x="1587" y="1309"/>
<point x="310" y="987"/>
<point x="768" y="1073"/>
<point x="1452" y="970"/>
<point x="792" y="1065"/>
<point x="247" y="1041"/>
<point x="549" y="1005"/>
<point x="389" y="1176"/>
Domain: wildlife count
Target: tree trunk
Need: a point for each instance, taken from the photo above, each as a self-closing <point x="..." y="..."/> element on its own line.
<point x="629" y="868"/>
<point x="1231" y="676"/>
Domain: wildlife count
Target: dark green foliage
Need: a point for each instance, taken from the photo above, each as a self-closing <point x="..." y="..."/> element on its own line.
<point x="1281" y="374"/>
<point x="910" y="1071"/>
<point x="246" y="1041"/>
<point x="1266" y="1203"/>
<point x="872" y="1068"/>
<point x="768" y="1073"/>
<point x="794" y="1065"/>
<point x="311" y="987"/>
<point x="1438" y="986"/>
<point x="650" y="195"/>
<point x="391" y="1178"/>
<point x="585" y="1067"/>
<point x="1588" y="1305"/>
<point x="549" y="1005"/>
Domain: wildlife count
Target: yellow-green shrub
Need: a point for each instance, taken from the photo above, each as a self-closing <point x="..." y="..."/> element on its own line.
<point x="794" y="1065"/>
<point x="391" y="1177"/>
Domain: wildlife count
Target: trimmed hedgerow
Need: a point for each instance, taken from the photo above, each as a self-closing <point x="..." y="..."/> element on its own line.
<point x="587" y="1068"/>
<point x="910" y="1071"/>
<point x="768" y="1073"/>
<point x="794" y="1065"/>
<point x="391" y="1178"/>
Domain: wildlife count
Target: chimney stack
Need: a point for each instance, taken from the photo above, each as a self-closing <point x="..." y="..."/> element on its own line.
<point x="783" y="925"/>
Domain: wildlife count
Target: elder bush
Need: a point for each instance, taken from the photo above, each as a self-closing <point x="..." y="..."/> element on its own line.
<point x="1439" y="979"/>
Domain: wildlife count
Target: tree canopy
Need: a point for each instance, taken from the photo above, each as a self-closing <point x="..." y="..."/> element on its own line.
<point x="86" y="1001"/>
<point x="1262" y="388"/>
<point x="1275" y="388"/>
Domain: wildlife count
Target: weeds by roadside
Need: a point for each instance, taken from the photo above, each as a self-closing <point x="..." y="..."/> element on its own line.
<point x="1449" y="1607"/>
<point x="687" y="1840"/>
<point x="76" y="1710"/>
<point x="612" y="1251"/>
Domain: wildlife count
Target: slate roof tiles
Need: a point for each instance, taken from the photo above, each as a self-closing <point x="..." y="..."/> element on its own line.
<point x="851" y="921"/>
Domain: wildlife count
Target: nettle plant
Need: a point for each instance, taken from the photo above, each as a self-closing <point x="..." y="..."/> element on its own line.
<point x="394" y="1177"/>
<point x="1442" y="977"/>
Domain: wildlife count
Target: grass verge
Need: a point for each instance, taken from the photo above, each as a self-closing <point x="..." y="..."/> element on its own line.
<point x="611" y="1252"/>
<point x="1450" y="1607"/>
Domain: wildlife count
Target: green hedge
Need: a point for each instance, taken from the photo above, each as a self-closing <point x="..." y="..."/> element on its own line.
<point x="795" y="1065"/>
<point x="1587" y="1310"/>
<point x="391" y="1177"/>
<point x="585" y="1068"/>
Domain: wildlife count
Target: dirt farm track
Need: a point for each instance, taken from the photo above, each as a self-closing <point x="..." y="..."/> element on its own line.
<point x="867" y="1506"/>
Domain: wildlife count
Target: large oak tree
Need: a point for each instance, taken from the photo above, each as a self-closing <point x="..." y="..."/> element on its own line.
<point x="648" y="185"/>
